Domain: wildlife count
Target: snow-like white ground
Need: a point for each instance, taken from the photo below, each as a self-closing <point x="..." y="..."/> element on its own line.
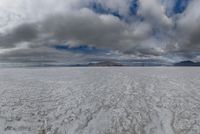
<point x="164" y="100"/>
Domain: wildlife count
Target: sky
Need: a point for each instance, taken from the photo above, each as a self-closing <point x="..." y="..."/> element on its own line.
<point x="83" y="31"/>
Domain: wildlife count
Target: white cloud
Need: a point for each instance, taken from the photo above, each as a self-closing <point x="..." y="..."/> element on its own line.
<point x="49" y="22"/>
<point x="155" y="12"/>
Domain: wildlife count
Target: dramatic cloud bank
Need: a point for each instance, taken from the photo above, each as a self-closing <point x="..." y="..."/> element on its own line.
<point x="117" y="29"/>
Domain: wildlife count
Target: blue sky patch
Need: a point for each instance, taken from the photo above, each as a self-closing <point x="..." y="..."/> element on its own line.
<point x="180" y="6"/>
<point x="98" y="8"/>
<point x="133" y="7"/>
<point x="84" y="49"/>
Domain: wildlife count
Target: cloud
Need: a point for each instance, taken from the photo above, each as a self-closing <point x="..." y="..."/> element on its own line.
<point x="154" y="12"/>
<point x="149" y="31"/>
<point x="86" y="27"/>
<point x="20" y="34"/>
<point x="79" y="27"/>
<point x="187" y="41"/>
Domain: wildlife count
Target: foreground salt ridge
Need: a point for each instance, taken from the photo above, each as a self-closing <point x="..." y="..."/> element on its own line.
<point x="100" y="101"/>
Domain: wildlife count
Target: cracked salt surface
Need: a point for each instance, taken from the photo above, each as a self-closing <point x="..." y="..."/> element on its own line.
<point x="100" y="101"/>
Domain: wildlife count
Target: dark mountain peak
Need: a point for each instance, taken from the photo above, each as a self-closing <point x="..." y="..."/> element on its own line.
<point x="187" y="63"/>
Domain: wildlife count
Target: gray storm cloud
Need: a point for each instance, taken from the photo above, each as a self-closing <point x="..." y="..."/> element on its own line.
<point x="43" y="24"/>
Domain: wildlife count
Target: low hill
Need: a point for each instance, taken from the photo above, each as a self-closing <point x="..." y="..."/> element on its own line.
<point x="187" y="63"/>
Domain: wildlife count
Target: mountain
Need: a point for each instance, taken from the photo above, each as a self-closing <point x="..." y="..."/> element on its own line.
<point x="187" y="63"/>
<point x="105" y="63"/>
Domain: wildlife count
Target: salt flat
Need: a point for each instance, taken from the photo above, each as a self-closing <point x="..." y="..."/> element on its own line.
<point x="159" y="100"/>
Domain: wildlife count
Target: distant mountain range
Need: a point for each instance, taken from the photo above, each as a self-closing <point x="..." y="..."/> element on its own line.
<point x="187" y="63"/>
<point x="118" y="64"/>
<point x="112" y="63"/>
<point x="105" y="63"/>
